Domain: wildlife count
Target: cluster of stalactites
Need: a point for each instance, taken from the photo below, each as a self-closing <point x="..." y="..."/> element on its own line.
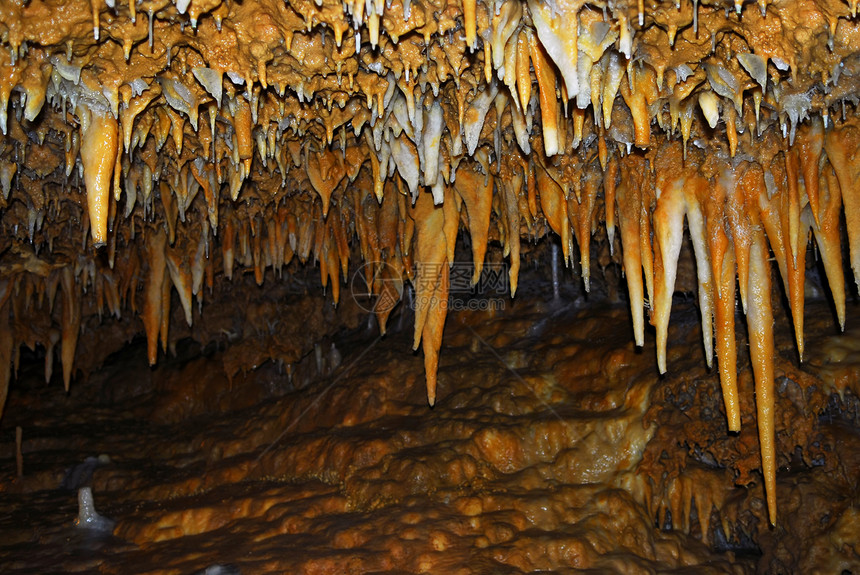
<point x="421" y="86"/>
<point x="770" y="199"/>
<point x="415" y="100"/>
<point x="308" y="126"/>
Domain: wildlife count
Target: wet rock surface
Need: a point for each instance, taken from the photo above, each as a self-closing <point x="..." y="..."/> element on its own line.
<point x="553" y="446"/>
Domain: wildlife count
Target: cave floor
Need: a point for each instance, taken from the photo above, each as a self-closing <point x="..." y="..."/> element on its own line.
<point x="553" y="446"/>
